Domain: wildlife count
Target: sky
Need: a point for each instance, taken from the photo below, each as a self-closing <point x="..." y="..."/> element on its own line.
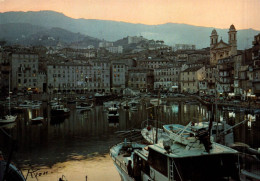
<point x="210" y="13"/>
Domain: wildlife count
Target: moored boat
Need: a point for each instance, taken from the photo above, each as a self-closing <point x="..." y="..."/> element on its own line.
<point x="172" y="161"/>
<point x="8" y="119"/>
<point x="113" y="115"/>
<point x="59" y="110"/>
<point x="84" y="106"/>
<point x="37" y="120"/>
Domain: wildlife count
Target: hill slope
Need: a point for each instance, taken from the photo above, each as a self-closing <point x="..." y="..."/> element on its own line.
<point x="171" y="33"/>
<point x="27" y="34"/>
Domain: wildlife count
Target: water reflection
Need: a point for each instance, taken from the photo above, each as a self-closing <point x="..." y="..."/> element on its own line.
<point x="83" y="133"/>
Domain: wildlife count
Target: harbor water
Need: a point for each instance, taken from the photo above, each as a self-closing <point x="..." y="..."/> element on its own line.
<point x="77" y="146"/>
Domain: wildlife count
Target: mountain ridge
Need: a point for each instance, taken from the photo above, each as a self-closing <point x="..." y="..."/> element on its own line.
<point x="120" y="21"/>
<point x="170" y="33"/>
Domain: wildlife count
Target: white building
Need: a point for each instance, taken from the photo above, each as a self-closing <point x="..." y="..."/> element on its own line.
<point x="118" y="49"/>
<point x="105" y="44"/>
<point x="84" y="77"/>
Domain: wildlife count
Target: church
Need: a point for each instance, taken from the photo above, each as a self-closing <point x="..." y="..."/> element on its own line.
<point x="220" y="49"/>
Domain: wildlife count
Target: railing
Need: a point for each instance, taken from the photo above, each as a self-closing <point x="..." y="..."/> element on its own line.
<point x="118" y="162"/>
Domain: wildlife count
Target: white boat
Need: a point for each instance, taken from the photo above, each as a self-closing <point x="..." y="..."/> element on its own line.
<point x="8" y="119"/>
<point x="221" y="132"/>
<point x="113" y="115"/>
<point x="29" y="104"/>
<point x="187" y="135"/>
<point x="170" y="160"/>
<point x="36" y="120"/>
<point x="149" y="134"/>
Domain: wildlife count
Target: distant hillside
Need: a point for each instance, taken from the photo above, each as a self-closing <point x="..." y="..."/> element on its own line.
<point x="18" y="31"/>
<point x="27" y="34"/>
<point x="171" y="33"/>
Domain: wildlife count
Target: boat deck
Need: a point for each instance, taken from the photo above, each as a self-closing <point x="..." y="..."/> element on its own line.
<point x="179" y="150"/>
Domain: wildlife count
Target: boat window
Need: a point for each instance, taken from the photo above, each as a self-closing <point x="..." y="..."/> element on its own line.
<point x="208" y="167"/>
<point x="145" y="167"/>
<point x="158" y="161"/>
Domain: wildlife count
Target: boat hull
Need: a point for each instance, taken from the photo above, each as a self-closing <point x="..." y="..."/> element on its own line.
<point x="8" y="119"/>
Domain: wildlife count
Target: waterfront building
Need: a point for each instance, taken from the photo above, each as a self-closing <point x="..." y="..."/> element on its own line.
<point x="78" y="77"/>
<point x="220" y="49"/>
<point x="118" y="76"/>
<point x="208" y="86"/>
<point x="190" y="78"/>
<point x="140" y="79"/>
<point x="162" y="78"/>
<point x="256" y="65"/>
<point x="167" y="78"/>
<point x="101" y="76"/>
<point x="239" y="75"/>
<point x="5" y="70"/>
<point x="225" y="76"/>
<point x="25" y="65"/>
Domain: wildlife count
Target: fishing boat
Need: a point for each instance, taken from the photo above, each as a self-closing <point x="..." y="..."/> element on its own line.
<point x="176" y="152"/>
<point x="171" y="160"/>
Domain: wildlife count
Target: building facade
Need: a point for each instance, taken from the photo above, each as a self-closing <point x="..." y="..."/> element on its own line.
<point x="220" y="49"/>
<point x="140" y="79"/>
<point x="25" y="66"/>
<point x="190" y="78"/>
<point x="118" y="77"/>
<point x="80" y="78"/>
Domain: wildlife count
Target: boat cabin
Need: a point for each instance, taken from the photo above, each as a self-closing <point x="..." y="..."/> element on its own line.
<point x="178" y="165"/>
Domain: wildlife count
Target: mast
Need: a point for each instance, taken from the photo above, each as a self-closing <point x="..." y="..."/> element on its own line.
<point x="9" y="106"/>
<point x="157" y="117"/>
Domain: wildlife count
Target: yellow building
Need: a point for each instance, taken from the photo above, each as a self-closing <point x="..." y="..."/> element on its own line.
<point x="220" y="49"/>
<point x="190" y="78"/>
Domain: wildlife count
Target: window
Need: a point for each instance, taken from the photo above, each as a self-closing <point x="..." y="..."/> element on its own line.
<point x="158" y="162"/>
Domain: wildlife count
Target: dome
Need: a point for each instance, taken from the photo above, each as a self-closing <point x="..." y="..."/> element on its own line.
<point x="214" y="32"/>
<point x="232" y="27"/>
